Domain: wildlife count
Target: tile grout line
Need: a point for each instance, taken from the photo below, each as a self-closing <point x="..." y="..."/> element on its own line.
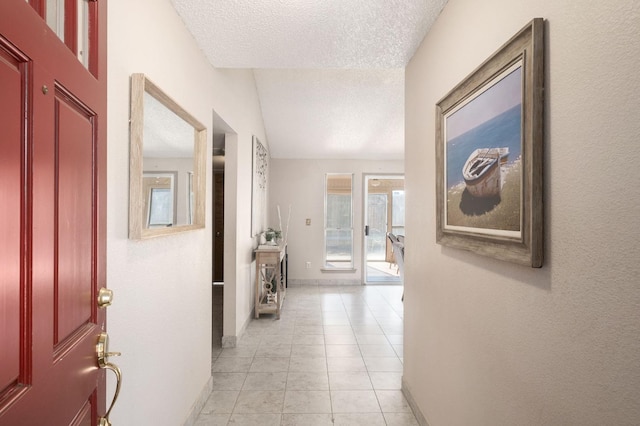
<point x="318" y="301"/>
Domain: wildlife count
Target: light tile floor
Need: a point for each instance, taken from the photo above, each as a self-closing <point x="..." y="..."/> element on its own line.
<point x="333" y="358"/>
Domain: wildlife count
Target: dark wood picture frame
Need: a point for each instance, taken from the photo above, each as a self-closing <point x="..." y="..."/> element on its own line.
<point x="504" y="221"/>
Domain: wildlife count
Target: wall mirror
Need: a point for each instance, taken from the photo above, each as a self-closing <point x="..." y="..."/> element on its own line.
<point x="167" y="164"/>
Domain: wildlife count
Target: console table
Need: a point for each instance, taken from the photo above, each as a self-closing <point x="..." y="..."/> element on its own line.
<point x="271" y="279"/>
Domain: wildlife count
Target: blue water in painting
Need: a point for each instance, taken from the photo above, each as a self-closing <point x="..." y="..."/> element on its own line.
<point x="503" y="130"/>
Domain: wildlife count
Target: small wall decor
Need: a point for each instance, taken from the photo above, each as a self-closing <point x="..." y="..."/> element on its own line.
<point x="489" y="153"/>
<point x="259" y="187"/>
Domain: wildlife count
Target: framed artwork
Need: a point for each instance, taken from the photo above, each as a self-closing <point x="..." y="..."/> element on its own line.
<point x="260" y="166"/>
<point x="489" y="154"/>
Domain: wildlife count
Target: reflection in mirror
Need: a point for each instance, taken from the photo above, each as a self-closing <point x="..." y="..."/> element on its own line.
<point x="168" y="164"/>
<point x="160" y="203"/>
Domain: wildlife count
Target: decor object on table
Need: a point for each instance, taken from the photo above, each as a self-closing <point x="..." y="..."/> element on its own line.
<point x="272" y="236"/>
<point x="286" y="234"/>
<point x="489" y="153"/>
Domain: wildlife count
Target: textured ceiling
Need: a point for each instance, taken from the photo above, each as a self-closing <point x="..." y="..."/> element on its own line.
<point x="333" y="113"/>
<point x="329" y="73"/>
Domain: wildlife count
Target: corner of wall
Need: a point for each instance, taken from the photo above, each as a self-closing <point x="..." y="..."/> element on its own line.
<point x="413" y="404"/>
<point x="232" y="341"/>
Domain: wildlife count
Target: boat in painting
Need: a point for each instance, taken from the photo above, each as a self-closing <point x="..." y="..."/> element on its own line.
<point x="482" y="172"/>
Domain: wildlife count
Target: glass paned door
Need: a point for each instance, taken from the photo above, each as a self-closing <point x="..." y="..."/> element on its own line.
<point x="383" y="213"/>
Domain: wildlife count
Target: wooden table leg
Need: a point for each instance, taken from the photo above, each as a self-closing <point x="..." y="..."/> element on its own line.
<point x="258" y="285"/>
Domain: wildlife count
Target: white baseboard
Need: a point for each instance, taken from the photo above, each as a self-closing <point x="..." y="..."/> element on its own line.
<point x="229" y="342"/>
<point x="232" y="341"/>
<point x="412" y="403"/>
<point x="321" y="282"/>
<point x="200" y="401"/>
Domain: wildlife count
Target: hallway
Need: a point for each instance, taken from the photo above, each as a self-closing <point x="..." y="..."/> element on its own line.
<point x="334" y="358"/>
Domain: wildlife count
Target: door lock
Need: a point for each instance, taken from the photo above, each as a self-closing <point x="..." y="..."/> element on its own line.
<point x="105" y="297"/>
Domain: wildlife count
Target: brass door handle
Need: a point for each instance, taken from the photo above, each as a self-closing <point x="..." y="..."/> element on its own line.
<point x="103" y="362"/>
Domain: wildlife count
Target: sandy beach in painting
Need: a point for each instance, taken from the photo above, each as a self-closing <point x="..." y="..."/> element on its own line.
<point x="501" y="212"/>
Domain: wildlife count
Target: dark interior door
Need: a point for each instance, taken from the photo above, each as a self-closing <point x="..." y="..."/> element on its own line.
<point x="52" y="215"/>
<point x="218" y="227"/>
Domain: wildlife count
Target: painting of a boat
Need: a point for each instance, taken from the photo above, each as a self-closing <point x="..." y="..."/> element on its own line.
<point x="482" y="172"/>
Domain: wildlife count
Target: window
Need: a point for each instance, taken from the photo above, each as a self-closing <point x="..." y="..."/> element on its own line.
<point x="161" y="207"/>
<point x="57" y="14"/>
<point x="338" y="224"/>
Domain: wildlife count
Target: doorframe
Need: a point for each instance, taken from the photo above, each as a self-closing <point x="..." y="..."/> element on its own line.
<point x="229" y="272"/>
<point x="366" y="177"/>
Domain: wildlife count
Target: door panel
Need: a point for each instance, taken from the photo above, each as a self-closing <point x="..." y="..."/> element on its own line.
<point x="84" y="416"/>
<point x="52" y="221"/>
<point x="74" y="170"/>
<point x="377" y="221"/>
<point x="11" y="76"/>
<point x="218" y="227"/>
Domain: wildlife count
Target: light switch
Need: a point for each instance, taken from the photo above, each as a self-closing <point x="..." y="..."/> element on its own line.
<point x="308" y="222"/>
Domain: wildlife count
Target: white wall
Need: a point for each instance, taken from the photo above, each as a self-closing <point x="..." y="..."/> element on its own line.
<point x="492" y="343"/>
<point x="161" y="316"/>
<point x="300" y="183"/>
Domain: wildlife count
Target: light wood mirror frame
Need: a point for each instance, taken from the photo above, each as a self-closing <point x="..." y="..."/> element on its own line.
<point x="137" y="229"/>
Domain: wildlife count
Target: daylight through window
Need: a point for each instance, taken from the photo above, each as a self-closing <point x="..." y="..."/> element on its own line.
<point x="338" y="229"/>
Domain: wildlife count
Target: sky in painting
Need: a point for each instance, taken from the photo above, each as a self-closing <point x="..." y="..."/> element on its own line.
<point x="495" y="100"/>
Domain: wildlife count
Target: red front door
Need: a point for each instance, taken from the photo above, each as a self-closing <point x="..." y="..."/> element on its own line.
<point x="52" y="213"/>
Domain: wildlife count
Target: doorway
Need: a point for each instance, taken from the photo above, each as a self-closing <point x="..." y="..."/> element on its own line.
<point x="217" y="299"/>
<point x="218" y="219"/>
<point x="383" y="213"/>
<point x="222" y="296"/>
